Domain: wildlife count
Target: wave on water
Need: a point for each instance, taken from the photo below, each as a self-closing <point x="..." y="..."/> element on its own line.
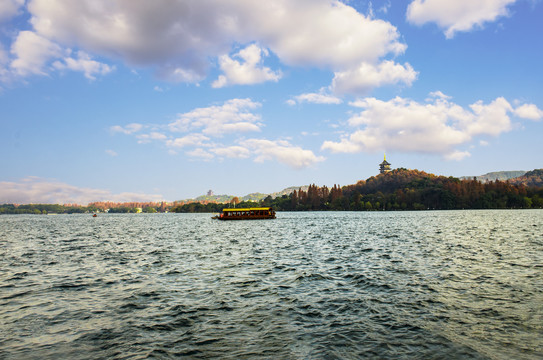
<point x="333" y="285"/>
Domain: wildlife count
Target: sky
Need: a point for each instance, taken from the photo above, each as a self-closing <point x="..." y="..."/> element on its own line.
<point x="133" y="100"/>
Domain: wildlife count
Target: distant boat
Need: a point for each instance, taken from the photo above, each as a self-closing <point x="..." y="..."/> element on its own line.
<point x="246" y="214"/>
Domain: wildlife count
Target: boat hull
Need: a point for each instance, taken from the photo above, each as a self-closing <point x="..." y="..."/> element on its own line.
<point x="246" y="214"/>
<point x="244" y="217"/>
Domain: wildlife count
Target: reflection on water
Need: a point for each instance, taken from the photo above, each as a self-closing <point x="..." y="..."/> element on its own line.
<point x="451" y="284"/>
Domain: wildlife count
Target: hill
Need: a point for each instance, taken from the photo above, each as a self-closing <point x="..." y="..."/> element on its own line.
<point x="403" y="189"/>
<point x="496" y="175"/>
<point x="531" y="178"/>
<point x="256" y="197"/>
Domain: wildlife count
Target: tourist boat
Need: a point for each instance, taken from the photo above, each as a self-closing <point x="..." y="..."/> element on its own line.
<point x="246" y="214"/>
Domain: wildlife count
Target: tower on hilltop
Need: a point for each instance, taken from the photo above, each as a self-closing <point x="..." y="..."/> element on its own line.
<point x="384" y="166"/>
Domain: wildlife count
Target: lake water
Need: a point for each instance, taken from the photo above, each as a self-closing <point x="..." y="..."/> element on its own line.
<point x="310" y="285"/>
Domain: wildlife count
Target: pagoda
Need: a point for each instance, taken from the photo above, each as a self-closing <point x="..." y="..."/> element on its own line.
<point x="384" y="166"/>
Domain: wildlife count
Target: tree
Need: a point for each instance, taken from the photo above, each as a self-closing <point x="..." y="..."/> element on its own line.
<point x="234" y="201"/>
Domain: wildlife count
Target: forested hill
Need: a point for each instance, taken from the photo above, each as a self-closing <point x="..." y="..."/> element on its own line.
<point x="402" y="189"/>
<point x="496" y="175"/>
<point x="531" y="178"/>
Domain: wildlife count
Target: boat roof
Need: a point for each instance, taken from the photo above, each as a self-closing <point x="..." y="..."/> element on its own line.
<point x="246" y="209"/>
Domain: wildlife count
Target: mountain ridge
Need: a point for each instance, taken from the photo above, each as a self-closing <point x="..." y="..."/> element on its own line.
<point x="496" y="175"/>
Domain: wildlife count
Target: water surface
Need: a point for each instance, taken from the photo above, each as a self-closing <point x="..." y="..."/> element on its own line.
<point x="323" y="285"/>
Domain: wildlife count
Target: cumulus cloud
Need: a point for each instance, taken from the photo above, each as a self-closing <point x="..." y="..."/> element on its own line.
<point x="457" y="15"/>
<point x="9" y="8"/>
<point x="200" y="154"/>
<point x="259" y="150"/>
<point x="438" y="126"/>
<point x="181" y="39"/>
<point x="250" y="71"/>
<point x="233" y="116"/>
<point x="201" y="127"/>
<point x="529" y="111"/>
<point x="235" y="152"/>
<point x="128" y="129"/>
<point x="32" y="52"/>
<point x="316" y="98"/>
<point x="147" y="138"/>
<point x="42" y="191"/>
<point x="281" y="151"/>
<point x="457" y="155"/>
<point x="84" y="64"/>
<point x="365" y="77"/>
<point x="187" y="140"/>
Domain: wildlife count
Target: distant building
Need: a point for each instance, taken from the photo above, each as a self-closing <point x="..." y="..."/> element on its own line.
<point x="210" y="193"/>
<point x="384" y="166"/>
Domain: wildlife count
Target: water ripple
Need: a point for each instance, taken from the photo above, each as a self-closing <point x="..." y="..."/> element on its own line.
<point x="458" y="284"/>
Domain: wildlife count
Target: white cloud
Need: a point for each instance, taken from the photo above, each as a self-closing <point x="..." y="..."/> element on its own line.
<point x="457" y="155"/>
<point x="41" y="191"/>
<point x="200" y="154"/>
<point x="180" y="38"/>
<point x="111" y="152"/>
<point x="235" y="152"/>
<point x="316" y="98"/>
<point x="9" y="8"/>
<point x="365" y="77"/>
<point x="202" y="124"/>
<point x="281" y="151"/>
<point x="492" y="119"/>
<point x="457" y="15"/>
<point x="233" y="116"/>
<point x="146" y="138"/>
<point x="188" y="140"/>
<point x="438" y="126"/>
<point x="32" y="52"/>
<point x="439" y="94"/>
<point x="128" y="129"/>
<point x="529" y="111"/>
<point x="249" y="72"/>
<point x="84" y="64"/>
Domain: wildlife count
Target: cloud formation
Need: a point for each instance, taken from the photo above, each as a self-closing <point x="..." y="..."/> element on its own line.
<point x="233" y="116"/>
<point x="90" y="68"/>
<point x="322" y="97"/>
<point x="32" y="52"/>
<point x="437" y="126"/>
<point x="182" y="40"/>
<point x="250" y="71"/>
<point x="456" y="15"/>
<point x="202" y="128"/>
<point x="128" y="129"/>
<point x="365" y="77"/>
<point x="42" y="191"/>
<point x="281" y="151"/>
<point x="9" y="8"/>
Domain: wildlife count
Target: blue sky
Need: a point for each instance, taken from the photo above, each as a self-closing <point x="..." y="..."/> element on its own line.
<point x="164" y="100"/>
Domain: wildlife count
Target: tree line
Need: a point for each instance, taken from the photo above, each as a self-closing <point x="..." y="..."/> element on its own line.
<point x="399" y="189"/>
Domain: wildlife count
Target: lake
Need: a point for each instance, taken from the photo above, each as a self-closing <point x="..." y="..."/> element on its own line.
<point x="307" y="285"/>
